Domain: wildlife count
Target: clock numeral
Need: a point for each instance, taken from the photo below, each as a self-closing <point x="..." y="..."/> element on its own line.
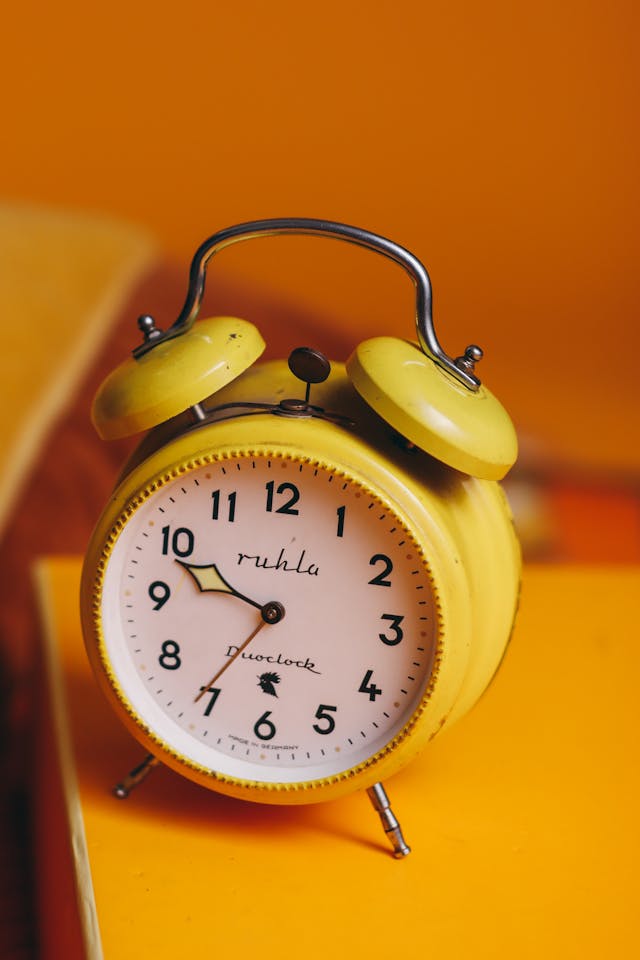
<point x="215" y="693"/>
<point x="324" y="712"/>
<point x="264" y="729"/>
<point x="170" y="656"/>
<point x="283" y="488"/>
<point x="379" y="579"/>
<point x="395" y="622"/>
<point x="231" y="502"/>
<point x="341" y="512"/>
<point x="367" y="686"/>
<point x="159" y="592"/>
<point x="181" y="541"/>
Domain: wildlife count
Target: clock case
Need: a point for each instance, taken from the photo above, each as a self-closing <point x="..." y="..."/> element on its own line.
<point x="432" y="448"/>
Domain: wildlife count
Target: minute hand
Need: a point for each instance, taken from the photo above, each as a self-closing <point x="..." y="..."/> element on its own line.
<point x="225" y="666"/>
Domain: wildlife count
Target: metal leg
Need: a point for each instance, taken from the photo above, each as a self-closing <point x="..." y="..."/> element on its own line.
<point x="380" y="801"/>
<point x="135" y="777"/>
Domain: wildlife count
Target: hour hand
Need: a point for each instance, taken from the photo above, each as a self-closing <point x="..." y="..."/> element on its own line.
<point x="209" y="580"/>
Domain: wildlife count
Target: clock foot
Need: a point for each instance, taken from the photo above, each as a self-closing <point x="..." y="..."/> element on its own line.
<point x="135" y="777"/>
<point x="380" y="800"/>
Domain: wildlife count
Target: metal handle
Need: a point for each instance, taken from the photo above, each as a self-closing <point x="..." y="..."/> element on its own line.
<point x="461" y="368"/>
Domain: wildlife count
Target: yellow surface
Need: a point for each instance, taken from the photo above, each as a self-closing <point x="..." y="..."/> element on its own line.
<point x="144" y="392"/>
<point x="522" y="819"/>
<point x="63" y="278"/>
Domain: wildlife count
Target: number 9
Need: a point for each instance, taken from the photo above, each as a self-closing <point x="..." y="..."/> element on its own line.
<point x="159" y="593"/>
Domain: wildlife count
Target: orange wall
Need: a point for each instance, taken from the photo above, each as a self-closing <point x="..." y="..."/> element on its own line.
<point x="498" y="140"/>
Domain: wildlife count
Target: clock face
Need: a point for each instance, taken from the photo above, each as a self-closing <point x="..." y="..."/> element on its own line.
<point x="268" y="618"/>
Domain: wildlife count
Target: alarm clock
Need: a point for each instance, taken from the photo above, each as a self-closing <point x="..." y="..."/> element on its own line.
<point x="307" y="570"/>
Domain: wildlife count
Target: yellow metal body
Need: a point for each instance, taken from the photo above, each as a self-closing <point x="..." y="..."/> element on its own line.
<point x="140" y="394"/>
<point x="468" y="430"/>
<point x="461" y="523"/>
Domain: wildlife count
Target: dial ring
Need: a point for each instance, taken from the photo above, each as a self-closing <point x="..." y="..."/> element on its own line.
<point x="147" y="734"/>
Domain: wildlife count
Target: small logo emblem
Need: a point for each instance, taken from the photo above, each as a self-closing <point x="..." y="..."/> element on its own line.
<point x="267" y="682"/>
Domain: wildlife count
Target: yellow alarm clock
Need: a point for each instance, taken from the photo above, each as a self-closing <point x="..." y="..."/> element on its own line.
<point x="307" y="570"/>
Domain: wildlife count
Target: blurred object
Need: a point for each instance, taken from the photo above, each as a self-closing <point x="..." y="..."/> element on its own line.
<point x="570" y="513"/>
<point x="572" y="519"/>
<point x="595" y="522"/>
<point x="62" y="279"/>
<point x="577" y="519"/>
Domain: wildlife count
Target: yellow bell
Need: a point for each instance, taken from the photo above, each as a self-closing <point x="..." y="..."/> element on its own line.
<point x="175" y="375"/>
<point x="468" y="430"/>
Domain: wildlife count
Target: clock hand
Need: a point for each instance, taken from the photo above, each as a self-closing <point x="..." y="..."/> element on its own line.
<point x="209" y="580"/>
<point x="225" y="666"/>
<point x="271" y="612"/>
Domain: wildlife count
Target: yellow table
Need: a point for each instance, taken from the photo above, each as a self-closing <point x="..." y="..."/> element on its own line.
<point x="523" y="819"/>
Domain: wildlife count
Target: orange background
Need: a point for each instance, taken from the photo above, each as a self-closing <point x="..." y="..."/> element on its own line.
<point x="497" y="140"/>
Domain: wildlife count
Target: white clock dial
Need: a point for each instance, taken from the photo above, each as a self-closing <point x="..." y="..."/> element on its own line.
<point x="307" y="688"/>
